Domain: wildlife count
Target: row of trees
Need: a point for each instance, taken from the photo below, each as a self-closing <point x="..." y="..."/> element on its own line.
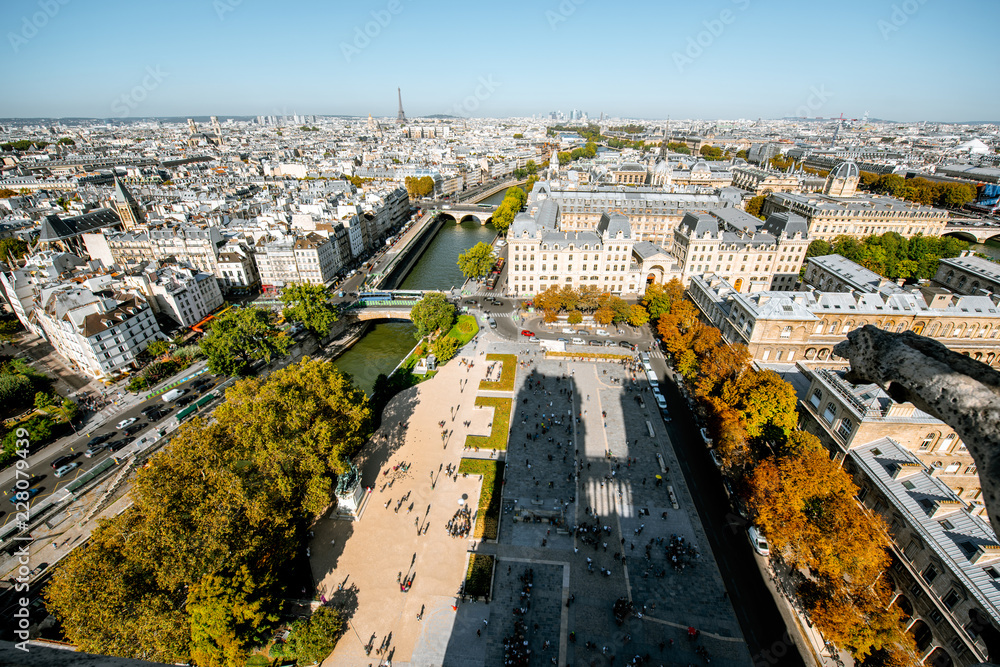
<point x="513" y="201"/>
<point x="196" y="569"/>
<point x="587" y="151"/>
<point x="477" y="261"/>
<point x="892" y="255"/>
<point x="241" y="337"/>
<point x="605" y="307"/>
<point x="801" y="499"/>
<point x="920" y="190"/>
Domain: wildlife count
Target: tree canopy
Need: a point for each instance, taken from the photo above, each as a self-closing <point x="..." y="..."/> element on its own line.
<point x="477" y="261"/>
<point x="12" y="247"/>
<point x="419" y="186"/>
<point x="891" y="255"/>
<point x="240" y="337"/>
<point x="193" y="570"/>
<point x="309" y="305"/>
<point x="920" y="190"/>
<point x="432" y="313"/>
<point x="512" y="203"/>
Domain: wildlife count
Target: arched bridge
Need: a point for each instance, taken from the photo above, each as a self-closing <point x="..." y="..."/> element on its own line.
<point x="385" y="305"/>
<point x="973" y="233"/>
<point x="481" y="213"/>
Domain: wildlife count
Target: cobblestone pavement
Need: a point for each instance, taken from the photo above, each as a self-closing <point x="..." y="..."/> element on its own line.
<point x="594" y="419"/>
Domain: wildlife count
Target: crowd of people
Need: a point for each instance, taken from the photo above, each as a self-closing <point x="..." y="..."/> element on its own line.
<point x="460" y="525"/>
<point x="515" y="645"/>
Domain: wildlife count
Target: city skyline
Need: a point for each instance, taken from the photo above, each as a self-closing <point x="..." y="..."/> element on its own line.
<point x="725" y="59"/>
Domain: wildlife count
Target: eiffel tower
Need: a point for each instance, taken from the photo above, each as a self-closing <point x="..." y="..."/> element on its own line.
<point x="401" y="116"/>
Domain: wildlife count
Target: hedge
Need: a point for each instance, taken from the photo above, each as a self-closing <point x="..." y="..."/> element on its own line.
<point x="507" y="373"/>
<point x="477" y="579"/>
<point x="488" y="515"/>
<point x="497" y="439"/>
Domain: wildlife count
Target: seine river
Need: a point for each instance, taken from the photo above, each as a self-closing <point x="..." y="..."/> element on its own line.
<point x="387" y="343"/>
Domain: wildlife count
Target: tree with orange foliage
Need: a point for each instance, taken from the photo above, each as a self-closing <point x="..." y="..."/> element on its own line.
<point x="765" y="401"/>
<point x="725" y="363"/>
<point x="726" y="427"/>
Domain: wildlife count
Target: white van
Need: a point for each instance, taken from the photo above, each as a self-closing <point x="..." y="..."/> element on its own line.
<point x="578" y="341"/>
<point x="651" y="376"/>
<point x="173" y="395"/>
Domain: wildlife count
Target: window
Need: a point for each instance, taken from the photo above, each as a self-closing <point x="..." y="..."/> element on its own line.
<point x="945" y="443"/>
<point x="971" y="470"/>
<point x="817" y="396"/>
<point x="935" y="616"/>
<point x="912" y="549"/>
<point x="786" y="332"/>
<point x="846" y="426"/>
<point x="930" y="574"/>
<point x="952" y="598"/>
<point x="830" y="413"/>
<point x="928" y="441"/>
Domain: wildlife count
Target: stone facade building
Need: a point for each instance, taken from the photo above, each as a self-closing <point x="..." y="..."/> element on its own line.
<point x="789" y="326"/>
<point x="945" y="561"/>
<point x="760" y="181"/>
<point x="846" y="416"/>
<point x="751" y="255"/>
<point x="968" y="274"/>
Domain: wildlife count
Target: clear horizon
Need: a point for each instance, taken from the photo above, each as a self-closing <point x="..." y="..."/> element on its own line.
<point x="720" y="59"/>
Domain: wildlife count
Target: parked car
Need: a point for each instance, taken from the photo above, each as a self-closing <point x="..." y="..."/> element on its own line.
<point x="579" y="341"/>
<point x="567" y="330"/>
<point x="627" y="345"/>
<point x="561" y="340"/>
<point x="602" y="332"/>
<point x="526" y="332"/>
<point x="126" y="422"/>
<point x="661" y="402"/>
<point x="758" y="541"/>
<point x="716" y="459"/>
<point x="596" y="343"/>
<point x="66" y="469"/>
<point x="609" y="343"/>
<point x="533" y="339"/>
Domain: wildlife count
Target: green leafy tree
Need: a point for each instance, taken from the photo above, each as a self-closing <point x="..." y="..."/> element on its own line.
<point x="432" y="313"/>
<point x="755" y="205"/>
<point x="314" y="639"/>
<point x="477" y="261"/>
<point x="637" y="315"/>
<point x="225" y="612"/>
<point x="158" y="347"/>
<point x="241" y="337"/>
<point x="12" y="247"/>
<point x="575" y="317"/>
<point x="309" y="305"/>
<point x="531" y="167"/>
<point x="444" y="348"/>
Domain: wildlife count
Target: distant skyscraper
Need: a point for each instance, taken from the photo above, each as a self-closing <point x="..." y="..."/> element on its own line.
<point x="401" y="116"/>
<point x="128" y="208"/>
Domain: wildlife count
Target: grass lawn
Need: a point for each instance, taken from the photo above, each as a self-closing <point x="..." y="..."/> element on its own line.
<point x="477" y="579"/>
<point x="497" y="439"/>
<point x="488" y="515"/>
<point x="506" y="381"/>
<point x="465" y="329"/>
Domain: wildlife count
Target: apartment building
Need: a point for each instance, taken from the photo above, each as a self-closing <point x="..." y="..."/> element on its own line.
<point x="787" y="326"/>
<point x="846" y="416"/>
<point x="184" y="295"/>
<point x="758" y="181"/>
<point x="750" y="254"/>
<point x="945" y="561"/>
<point x="653" y="213"/>
<point x="968" y="274"/>
<point x="237" y="268"/>
<point x="830" y="216"/>
<point x="609" y="257"/>
<point x="309" y="258"/>
<point x="188" y="244"/>
<point x="99" y="333"/>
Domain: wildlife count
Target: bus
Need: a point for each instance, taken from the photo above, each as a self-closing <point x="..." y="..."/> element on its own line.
<point x="374" y="296"/>
<point x="499" y="266"/>
<point x="204" y="400"/>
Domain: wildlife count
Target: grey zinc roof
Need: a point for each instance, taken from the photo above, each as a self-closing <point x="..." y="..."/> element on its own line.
<point x="738" y="219"/>
<point x="978" y="265"/>
<point x="55" y="229"/>
<point x="916" y="501"/>
<point x="612" y="223"/>
<point x="700" y="223"/>
<point x="645" y="250"/>
<point x="850" y="272"/>
<point x="785" y="221"/>
<point x="524" y="223"/>
<point x="547" y="216"/>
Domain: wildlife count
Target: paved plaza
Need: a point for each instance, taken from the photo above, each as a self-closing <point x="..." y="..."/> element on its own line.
<point x="585" y="522"/>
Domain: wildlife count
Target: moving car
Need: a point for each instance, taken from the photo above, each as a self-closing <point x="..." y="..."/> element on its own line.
<point x="492" y="322"/>
<point x="126" y="422"/>
<point x="63" y="460"/>
<point x="98" y="439"/>
<point x="533" y="339"/>
<point x="185" y="400"/>
<point x="149" y="409"/>
<point x="525" y="332"/>
<point x="18" y="497"/>
<point x="134" y="428"/>
<point x="758" y="541"/>
<point x="66" y="469"/>
<point x="93" y="450"/>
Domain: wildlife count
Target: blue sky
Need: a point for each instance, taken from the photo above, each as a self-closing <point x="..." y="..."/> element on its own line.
<point x="896" y="59"/>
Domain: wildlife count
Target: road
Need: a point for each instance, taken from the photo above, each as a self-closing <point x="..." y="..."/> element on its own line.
<point x="762" y="623"/>
<point x="41" y="466"/>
